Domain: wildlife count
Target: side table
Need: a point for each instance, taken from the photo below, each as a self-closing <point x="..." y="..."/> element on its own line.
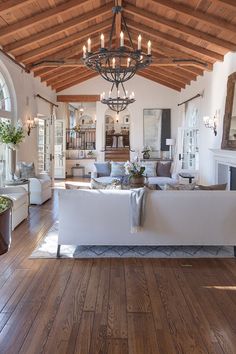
<point x="20" y="182"/>
<point x="187" y="175"/>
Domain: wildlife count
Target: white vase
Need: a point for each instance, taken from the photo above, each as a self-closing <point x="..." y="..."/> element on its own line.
<point x="12" y="162"/>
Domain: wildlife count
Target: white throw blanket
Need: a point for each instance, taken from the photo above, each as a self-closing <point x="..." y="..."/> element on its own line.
<point x="137" y="203"/>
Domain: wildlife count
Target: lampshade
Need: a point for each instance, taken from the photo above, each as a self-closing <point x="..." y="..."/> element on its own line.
<point x="170" y="142"/>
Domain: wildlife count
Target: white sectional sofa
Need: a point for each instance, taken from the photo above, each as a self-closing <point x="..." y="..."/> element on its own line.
<point x="102" y="217"/>
<point x="19" y="196"/>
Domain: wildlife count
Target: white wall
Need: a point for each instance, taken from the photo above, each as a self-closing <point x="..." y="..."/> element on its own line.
<point x="148" y="95"/>
<point x="214" y="85"/>
<point x="25" y="105"/>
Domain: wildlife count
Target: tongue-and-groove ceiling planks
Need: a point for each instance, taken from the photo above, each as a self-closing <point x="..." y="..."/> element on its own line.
<point x="37" y="32"/>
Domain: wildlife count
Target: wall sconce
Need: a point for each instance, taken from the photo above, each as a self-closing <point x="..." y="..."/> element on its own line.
<point x="211" y="122"/>
<point x="31" y="124"/>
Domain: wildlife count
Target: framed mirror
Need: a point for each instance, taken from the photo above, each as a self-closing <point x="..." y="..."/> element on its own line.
<point x="156" y="128"/>
<point x="229" y="127"/>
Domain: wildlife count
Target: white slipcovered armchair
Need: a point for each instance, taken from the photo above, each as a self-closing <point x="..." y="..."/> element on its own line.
<point x="40" y="189"/>
<point x="40" y="185"/>
<point x="19" y="197"/>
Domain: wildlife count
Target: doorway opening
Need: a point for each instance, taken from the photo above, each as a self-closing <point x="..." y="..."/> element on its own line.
<point x="117" y="135"/>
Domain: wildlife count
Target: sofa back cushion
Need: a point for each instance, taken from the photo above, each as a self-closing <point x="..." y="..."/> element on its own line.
<point x="117" y="169"/>
<point x="163" y="169"/>
<point x="150" y="168"/>
<point x="103" y="169"/>
<point x="115" y="184"/>
<point x="27" y="170"/>
<point x="214" y="187"/>
<point x="180" y="187"/>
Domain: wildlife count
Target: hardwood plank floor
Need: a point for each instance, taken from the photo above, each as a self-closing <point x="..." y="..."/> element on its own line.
<point x="112" y="306"/>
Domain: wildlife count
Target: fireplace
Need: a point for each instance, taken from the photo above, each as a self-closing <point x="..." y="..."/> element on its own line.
<point x="233" y="178"/>
<point x="225" y="167"/>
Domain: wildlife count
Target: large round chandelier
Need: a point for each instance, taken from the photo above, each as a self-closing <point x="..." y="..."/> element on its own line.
<point x="117" y="101"/>
<point x="120" y="64"/>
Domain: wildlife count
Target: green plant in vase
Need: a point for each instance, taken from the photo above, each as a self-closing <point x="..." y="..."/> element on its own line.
<point x="5" y="203"/>
<point x="135" y="170"/>
<point x="11" y="135"/>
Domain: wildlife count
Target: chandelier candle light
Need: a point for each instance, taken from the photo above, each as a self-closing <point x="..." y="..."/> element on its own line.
<point x="117" y="65"/>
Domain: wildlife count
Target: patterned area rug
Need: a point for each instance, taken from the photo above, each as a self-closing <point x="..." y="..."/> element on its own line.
<point x="48" y="248"/>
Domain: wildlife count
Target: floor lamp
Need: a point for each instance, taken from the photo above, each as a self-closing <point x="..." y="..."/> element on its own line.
<point x="170" y="143"/>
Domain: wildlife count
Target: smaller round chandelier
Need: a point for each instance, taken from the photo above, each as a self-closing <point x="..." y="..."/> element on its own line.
<point x="117" y="65"/>
<point x="117" y="102"/>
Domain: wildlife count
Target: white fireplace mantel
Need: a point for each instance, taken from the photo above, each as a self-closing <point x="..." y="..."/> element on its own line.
<point x="224" y="159"/>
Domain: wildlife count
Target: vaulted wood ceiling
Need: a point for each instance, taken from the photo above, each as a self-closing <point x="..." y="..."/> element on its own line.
<point x="39" y="32"/>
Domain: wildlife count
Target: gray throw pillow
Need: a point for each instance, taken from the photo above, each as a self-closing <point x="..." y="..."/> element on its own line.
<point x="27" y="170"/>
<point x="163" y="169"/>
<point x="103" y="168"/>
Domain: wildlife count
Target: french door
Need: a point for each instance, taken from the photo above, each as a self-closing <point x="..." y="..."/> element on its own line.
<point x="59" y="149"/>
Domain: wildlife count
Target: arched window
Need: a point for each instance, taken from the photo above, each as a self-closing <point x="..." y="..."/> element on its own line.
<point x="7" y="114"/>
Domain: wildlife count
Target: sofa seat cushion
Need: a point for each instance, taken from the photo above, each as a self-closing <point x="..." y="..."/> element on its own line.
<point x="18" y="199"/>
<point x="161" y="180"/>
<point x="46" y="183"/>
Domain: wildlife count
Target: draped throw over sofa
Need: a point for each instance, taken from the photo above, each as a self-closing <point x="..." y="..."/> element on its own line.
<point x="40" y="185"/>
<point x="157" y="172"/>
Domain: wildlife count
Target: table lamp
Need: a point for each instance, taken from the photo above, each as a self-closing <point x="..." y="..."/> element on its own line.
<point x="170" y="143"/>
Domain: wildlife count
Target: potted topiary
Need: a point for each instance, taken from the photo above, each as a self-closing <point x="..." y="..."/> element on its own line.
<point x="5" y="224"/>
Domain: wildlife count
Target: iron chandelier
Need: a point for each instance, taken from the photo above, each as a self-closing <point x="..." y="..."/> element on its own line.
<point x="117" y="65"/>
<point x="116" y="102"/>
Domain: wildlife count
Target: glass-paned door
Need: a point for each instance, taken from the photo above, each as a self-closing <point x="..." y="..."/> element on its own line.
<point x="59" y="149"/>
<point x="44" y="147"/>
<point x="190" y="155"/>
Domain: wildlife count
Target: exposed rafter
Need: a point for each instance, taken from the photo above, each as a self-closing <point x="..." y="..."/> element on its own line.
<point x="76" y="82"/>
<point x="55" y="30"/>
<point x="75" y="38"/>
<point x="183" y="29"/>
<point x="197" y="15"/>
<point x="41" y="17"/>
<point x="9" y="5"/>
<point x="185" y="46"/>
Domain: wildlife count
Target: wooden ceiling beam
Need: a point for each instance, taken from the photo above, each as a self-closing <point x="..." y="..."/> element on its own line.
<point x="173" y="74"/>
<point x="158" y="81"/>
<point x="66" y="76"/>
<point x="164" y="77"/>
<point x="228" y="3"/>
<point x="75" y="38"/>
<point x="193" y="70"/>
<point x="79" y="81"/>
<point x="183" y="29"/>
<point x="185" y="46"/>
<point x="52" y="31"/>
<point x="78" y="98"/>
<point x="118" y="25"/>
<point x="56" y="74"/>
<point x="207" y="18"/>
<point x="181" y="72"/>
<point x="9" y="5"/>
<point x="69" y="79"/>
<point x="41" y="17"/>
